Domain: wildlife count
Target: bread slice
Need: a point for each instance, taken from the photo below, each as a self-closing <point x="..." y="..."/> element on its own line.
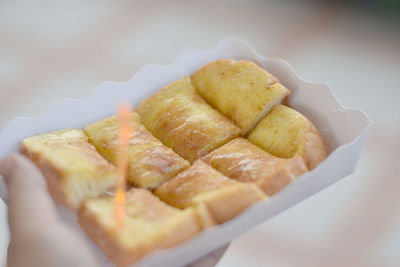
<point x="150" y="162"/>
<point x="73" y="168"/>
<point x="149" y="225"/>
<point x="200" y="184"/>
<point x="240" y="90"/>
<point x="241" y="160"/>
<point x="182" y="120"/>
<point x="284" y="132"/>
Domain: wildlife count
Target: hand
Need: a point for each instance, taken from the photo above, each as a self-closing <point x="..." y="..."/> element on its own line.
<point x="38" y="236"/>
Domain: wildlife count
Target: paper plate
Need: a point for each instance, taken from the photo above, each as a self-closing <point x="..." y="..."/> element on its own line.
<point x="344" y="130"/>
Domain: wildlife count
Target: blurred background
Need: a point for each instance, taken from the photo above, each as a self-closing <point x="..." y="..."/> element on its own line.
<point x="51" y="50"/>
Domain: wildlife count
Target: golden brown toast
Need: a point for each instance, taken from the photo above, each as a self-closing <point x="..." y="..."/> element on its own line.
<point x="149" y="225"/>
<point x="194" y="120"/>
<point x="72" y="167"/>
<point x="200" y="184"/>
<point x="240" y="90"/>
<point x="285" y="132"/>
<point x="182" y="120"/>
<point x="150" y="162"/>
<point x="240" y="159"/>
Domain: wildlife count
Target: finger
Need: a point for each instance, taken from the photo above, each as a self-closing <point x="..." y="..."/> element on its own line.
<point x="29" y="203"/>
<point x="210" y="259"/>
<point x="57" y="245"/>
<point x="36" y="230"/>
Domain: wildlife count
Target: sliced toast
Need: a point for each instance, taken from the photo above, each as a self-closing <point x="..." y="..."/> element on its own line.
<point x="150" y="162"/>
<point x="149" y="225"/>
<point x="285" y="132"/>
<point x="200" y="184"/>
<point x="182" y="120"/>
<point x="240" y="90"/>
<point x="72" y="167"/>
<point x="241" y="160"/>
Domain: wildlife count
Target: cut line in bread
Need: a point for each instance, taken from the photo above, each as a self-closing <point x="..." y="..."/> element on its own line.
<point x="182" y="120"/>
<point x="196" y="120"/>
<point x="149" y="225"/>
<point x="242" y="160"/>
<point x="240" y="90"/>
<point x="150" y="162"/>
<point x="74" y="170"/>
<point x="200" y="184"/>
<point x="285" y="132"/>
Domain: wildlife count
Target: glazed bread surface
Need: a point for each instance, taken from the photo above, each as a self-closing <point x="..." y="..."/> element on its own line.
<point x="72" y="167"/>
<point x="200" y="184"/>
<point x="203" y="149"/>
<point x="150" y="225"/>
<point x="242" y="160"/>
<point x="285" y="132"/>
<point x="182" y="120"/>
<point x="240" y="90"/>
<point x="150" y="162"/>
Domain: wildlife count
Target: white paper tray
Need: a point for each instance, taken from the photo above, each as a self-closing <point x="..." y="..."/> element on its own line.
<point x="344" y="130"/>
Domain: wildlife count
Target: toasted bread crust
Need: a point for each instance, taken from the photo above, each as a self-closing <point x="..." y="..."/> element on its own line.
<point x="53" y="176"/>
<point x="283" y="176"/>
<point x="315" y="150"/>
<point x="227" y="203"/>
<point x="204" y="216"/>
<point x="104" y="239"/>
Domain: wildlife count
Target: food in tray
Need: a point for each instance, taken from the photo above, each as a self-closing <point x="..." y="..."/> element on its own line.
<point x="150" y="225"/>
<point x="187" y="147"/>
<point x="150" y="162"/>
<point x="241" y="160"/>
<point x="182" y="120"/>
<point x="240" y="90"/>
<point x="74" y="170"/>
<point x="201" y="184"/>
<point x="285" y="132"/>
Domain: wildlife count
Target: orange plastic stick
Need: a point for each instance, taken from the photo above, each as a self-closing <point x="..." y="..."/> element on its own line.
<point x="125" y="134"/>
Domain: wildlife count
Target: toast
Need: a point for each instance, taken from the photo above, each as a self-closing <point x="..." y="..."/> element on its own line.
<point x="186" y="148"/>
<point x="241" y="160"/>
<point x="200" y="184"/>
<point x="285" y="132"/>
<point x="183" y="121"/>
<point x="74" y="170"/>
<point x="240" y="90"/>
<point x="150" y="162"/>
<point x="150" y="225"/>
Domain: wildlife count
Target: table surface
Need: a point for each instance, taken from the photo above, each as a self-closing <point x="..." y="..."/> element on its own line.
<point x="56" y="50"/>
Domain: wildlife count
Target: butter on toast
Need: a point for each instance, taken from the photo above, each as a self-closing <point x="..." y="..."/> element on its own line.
<point x="150" y="162"/>
<point x="285" y="132"/>
<point x="72" y="167"/>
<point x="149" y="225"/>
<point x="182" y="120"/>
<point x="240" y="90"/>
<point x="240" y="159"/>
<point x="200" y="184"/>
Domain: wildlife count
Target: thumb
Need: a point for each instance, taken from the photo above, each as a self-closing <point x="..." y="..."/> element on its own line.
<point x="36" y="231"/>
<point x="29" y="203"/>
